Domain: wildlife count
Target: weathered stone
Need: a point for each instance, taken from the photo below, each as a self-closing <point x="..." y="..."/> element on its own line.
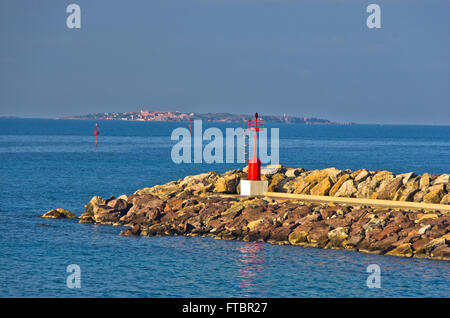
<point x="424" y="181"/>
<point x="354" y="215"/>
<point x="302" y="185"/>
<point x="384" y="245"/>
<point x="322" y="188"/>
<point x="270" y="170"/>
<point x="441" y="252"/>
<point x="404" y="250"/>
<point x="89" y="208"/>
<point x="406" y="177"/>
<point x="125" y="232"/>
<point x="432" y="244"/>
<point x="227" y="184"/>
<point x="383" y="176"/>
<point x="316" y="176"/>
<point x="338" y="221"/>
<point x="109" y="216"/>
<point x="433" y="196"/>
<point x="318" y="236"/>
<point x="310" y="218"/>
<point x="352" y="241"/>
<point x="445" y="199"/>
<point x="361" y="176"/>
<point x="275" y="182"/>
<point x="279" y="235"/>
<point x="118" y="204"/>
<point x="333" y="173"/>
<point x="408" y="193"/>
<point x="292" y="173"/>
<point x="58" y="213"/>
<point x="390" y="190"/>
<point x="136" y="230"/>
<point x="337" y="236"/>
<point x="419" y="244"/>
<point x="328" y="212"/>
<point x="298" y="237"/>
<point x="442" y="179"/>
<point x="367" y="188"/>
<point x="424" y="229"/>
<point x="288" y="185"/>
<point x="346" y="190"/>
<point x="418" y="196"/>
<point x="422" y="216"/>
<point x="338" y="184"/>
<point x="437" y="187"/>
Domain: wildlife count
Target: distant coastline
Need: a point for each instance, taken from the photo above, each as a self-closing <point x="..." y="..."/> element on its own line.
<point x="177" y="116"/>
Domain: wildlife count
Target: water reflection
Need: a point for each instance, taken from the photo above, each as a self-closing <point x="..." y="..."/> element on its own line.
<point x="251" y="264"/>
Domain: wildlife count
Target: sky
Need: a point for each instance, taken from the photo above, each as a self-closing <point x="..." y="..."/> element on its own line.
<point x="302" y="58"/>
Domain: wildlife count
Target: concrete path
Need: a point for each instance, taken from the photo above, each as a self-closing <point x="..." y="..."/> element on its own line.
<point x="443" y="208"/>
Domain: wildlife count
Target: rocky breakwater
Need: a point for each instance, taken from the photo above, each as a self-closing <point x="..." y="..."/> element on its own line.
<point x="363" y="183"/>
<point x="206" y="205"/>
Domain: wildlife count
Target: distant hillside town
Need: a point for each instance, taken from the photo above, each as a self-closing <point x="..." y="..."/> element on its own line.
<point x="177" y="116"/>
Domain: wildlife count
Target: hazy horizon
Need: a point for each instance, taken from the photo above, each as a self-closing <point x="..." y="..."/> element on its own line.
<point x="295" y="57"/>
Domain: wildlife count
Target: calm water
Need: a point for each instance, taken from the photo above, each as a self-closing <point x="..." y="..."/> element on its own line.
<point x="47" y="164"/>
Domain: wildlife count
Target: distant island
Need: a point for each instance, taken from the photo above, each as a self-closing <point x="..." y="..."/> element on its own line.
<point x="177" y="116"/>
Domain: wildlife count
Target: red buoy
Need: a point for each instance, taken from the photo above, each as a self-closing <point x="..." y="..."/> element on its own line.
<point x="254" y="164"/>
<point x="96" y="133"/>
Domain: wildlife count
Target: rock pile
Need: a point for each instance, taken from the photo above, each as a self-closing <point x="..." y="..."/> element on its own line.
<point x="203" y="205"/>
<point x="363" y="184"/>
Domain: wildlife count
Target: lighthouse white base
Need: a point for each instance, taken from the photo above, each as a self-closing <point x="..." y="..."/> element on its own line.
<point x="252" y="187"/>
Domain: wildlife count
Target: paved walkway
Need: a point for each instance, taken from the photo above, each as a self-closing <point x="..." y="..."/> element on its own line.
<point x="443" y="208"/>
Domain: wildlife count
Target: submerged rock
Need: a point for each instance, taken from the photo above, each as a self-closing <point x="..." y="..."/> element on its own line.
<point x="59" y="214"/>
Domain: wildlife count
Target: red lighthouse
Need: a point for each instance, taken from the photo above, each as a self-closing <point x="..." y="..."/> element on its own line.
<point x="254" y="164"/>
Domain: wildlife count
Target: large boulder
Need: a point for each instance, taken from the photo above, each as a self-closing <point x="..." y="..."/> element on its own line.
<point x="88" y="214"/>
<point x="441" y="252"/>
<point x="445" y="199"/>
<point x="425" y="181"/>
<point x="293" y="173"/>
<point x="338" y="184"/>
<point x="383" y="176"/>
<point x="276" y="181"/>
<point x="99" y="210"/>
<point x="434" y="196"/>
<point x="323" y="187"/>
<point x="442" y="179"/>
<point x="366" y="188"/>
<point x="361" y="175"/>
<point x="404" y="250"/>
<point x="337" y="236"/>
<point x="347" y="189"/>
<point x="298" y="237"/>
<point x="391" y="188"/>
<point x="227" y="184"/>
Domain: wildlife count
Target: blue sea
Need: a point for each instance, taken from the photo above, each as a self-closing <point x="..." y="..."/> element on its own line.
<point x="47" y="164"/>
